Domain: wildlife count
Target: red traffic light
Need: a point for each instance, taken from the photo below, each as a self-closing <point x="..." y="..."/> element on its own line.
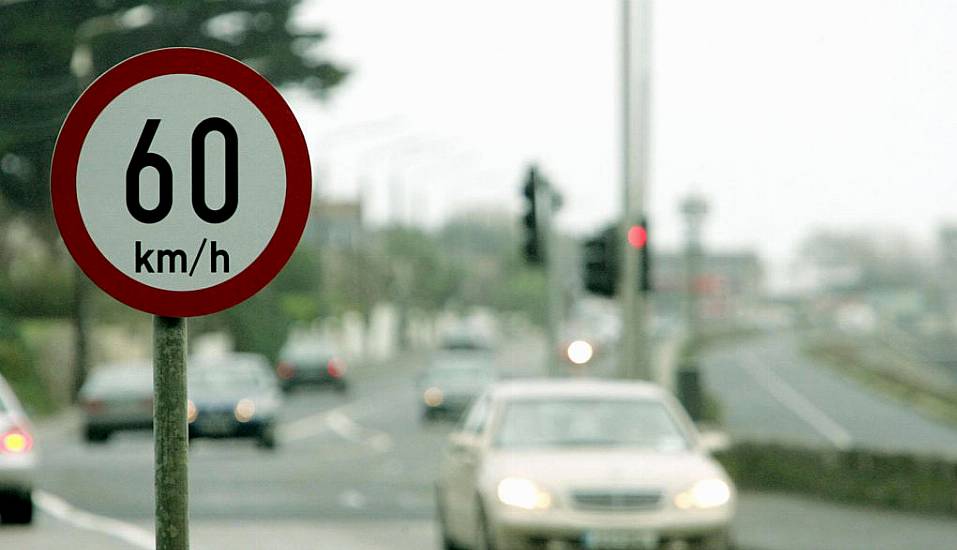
<point x="637" y="236"/>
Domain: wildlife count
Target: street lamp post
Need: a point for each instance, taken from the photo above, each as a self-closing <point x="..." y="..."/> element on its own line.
<point x="694" y="208"/>
<point x="688" y="383"/>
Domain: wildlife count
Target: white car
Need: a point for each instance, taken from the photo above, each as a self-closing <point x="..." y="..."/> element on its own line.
<point x="579" y="463"/>
<point x="17" y="460"/>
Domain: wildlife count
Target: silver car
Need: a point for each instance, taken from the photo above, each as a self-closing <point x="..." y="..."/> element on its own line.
<point x="583" y="464"/>
<point x="17" y="460"/>
<point x="452" y="381"/>
<point x="117" y="397"/>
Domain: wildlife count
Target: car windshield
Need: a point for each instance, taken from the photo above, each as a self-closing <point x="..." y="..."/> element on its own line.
<point x="225" y="380"/>
<point x="308" y="354"/>
<point x="132" y="379"/>
<point x="537" y="423"/>
<point x="460" y="375"/>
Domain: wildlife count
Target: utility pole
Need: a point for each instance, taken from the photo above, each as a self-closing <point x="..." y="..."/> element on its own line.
<point x="688" y="383"/>
<point x="540" y="248"/>
<point x="634" y="362"/>
<point x="693" y="208"/>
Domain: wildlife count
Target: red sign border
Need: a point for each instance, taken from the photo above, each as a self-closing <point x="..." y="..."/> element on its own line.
<point x="295" y="212"/>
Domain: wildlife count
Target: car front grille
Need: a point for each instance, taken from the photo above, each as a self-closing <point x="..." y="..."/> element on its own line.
<point x="625" y="500"/>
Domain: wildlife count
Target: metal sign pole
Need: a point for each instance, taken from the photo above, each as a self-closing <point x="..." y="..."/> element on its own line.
<point x="170" y="433"/>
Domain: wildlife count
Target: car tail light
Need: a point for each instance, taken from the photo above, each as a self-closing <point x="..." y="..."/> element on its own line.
<point x="94" y="406"/>
<point x="335" y="368"/>
<point x="15" y="441"/>
<point x="285" y="370"/>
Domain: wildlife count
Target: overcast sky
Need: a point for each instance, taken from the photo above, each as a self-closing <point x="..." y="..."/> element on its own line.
<point x="787" y="115"/>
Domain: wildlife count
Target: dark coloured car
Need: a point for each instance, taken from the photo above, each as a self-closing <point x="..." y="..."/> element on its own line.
<point x="117" y="397"/>
<point x="235" y="396"/>
<point x="453" y="380"/>
<point x="311" y="363"/>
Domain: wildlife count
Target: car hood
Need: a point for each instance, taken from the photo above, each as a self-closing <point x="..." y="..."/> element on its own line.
<point x="608" y="467"/>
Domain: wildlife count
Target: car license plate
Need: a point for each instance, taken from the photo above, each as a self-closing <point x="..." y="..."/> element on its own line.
<point x="620" y="540"/>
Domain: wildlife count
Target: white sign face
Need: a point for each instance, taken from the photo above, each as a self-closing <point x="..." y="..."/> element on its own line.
<point x="181" y="182"/>
<point x="182" y="250"/>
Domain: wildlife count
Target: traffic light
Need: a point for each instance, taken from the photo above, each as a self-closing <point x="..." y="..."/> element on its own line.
<point x="532" y="247"/>
<point x="601" y="257"/>
<point x="638" y="238"/>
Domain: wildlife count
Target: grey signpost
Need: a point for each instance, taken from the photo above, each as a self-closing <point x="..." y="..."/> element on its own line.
<point x="170" y="435"/>
<point x="179" y="209"/>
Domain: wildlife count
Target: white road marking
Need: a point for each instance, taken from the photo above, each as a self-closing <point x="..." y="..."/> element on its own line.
<point x="349" y="430"/>
<point x="338" y="422"/>
<point x="799" y="405"/>
<point x="64" y="511"/>
<point x="308" y="426"/>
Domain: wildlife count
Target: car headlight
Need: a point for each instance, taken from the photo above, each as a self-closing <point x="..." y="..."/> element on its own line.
<point x="245" y="410"/>
<point x="707" y="493"/>
<point x="524" y="494"/>
<point x="191" y="411"/>
<point x="433" y="397"/>
<point x="579" y="352"/>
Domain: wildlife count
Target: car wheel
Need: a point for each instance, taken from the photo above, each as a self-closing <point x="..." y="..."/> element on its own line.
<point x="484" y="538"/>
<point x="97" y="435"/>
<point x="17" y="510"/>
<point x="267" y="438"/>
<point x="446" y="541"/>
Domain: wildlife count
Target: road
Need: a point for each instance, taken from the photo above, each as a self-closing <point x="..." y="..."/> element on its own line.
<point x="353" y="471"/>
<point x="769" y="389"/>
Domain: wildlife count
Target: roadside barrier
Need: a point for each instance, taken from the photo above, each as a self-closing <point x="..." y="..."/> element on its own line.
<point x="894" y="480"/>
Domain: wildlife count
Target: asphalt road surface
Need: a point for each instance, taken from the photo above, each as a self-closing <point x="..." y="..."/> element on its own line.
<point x="352" y="471"/>
<point x="768" y="389"/>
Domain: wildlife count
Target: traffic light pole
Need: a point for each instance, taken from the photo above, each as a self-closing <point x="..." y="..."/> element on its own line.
<point x="545" y="198"/>
<point x="635" y="360"/>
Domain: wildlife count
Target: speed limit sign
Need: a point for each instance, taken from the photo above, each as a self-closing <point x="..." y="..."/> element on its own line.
<point x="181" y="182"/>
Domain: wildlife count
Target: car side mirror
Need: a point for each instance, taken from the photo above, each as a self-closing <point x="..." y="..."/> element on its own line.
<point x="714" y="441"/>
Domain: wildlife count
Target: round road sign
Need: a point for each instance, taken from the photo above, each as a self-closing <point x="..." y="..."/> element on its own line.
<point x="181" y="182"/>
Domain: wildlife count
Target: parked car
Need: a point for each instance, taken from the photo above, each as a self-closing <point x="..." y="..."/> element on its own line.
<point x="117" y="397"/>
<point x="452" y="381"/>
<point x="17" y="460"/>
<point x="581" y="464"/>
<point x="311" y="363"/>
<point x="233" y="396"/>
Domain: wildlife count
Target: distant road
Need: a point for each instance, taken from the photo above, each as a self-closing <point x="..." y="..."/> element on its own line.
<point x="768" y="389"/>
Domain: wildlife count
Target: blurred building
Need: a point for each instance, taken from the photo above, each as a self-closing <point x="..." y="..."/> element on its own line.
<point x="335" y="224"/>
<point x="729" y="285"/>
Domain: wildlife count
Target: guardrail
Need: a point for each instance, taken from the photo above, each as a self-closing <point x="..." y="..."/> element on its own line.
<point x="899" y="481"/>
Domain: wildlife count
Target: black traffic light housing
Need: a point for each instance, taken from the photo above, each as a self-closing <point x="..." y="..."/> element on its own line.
<point x="602" y="261"/>
<point x="533" y="248"/>
<point x="601" y="257"/>
<point x="645" y="283"/>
